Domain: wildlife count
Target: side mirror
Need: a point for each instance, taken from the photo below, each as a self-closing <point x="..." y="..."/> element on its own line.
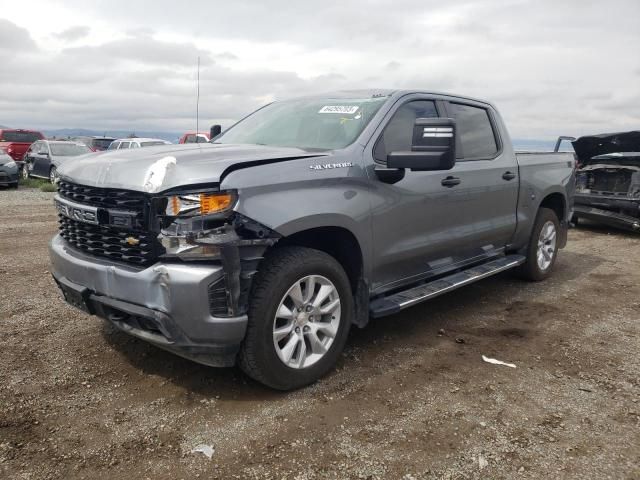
<point x="215" y="131"/>
<point x="433" y="146"/>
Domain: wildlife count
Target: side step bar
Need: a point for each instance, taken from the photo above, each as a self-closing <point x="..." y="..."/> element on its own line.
<point x="381" y="307"/>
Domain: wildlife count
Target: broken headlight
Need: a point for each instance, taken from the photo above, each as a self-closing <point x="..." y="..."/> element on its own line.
<point x="191" y="219"/>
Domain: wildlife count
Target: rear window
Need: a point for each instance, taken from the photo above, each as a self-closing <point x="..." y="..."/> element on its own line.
<point x="151" y="144"/>
<point x="102" y="143"/>
<point x="475" y="133"/>
<point x="21" y="137"/>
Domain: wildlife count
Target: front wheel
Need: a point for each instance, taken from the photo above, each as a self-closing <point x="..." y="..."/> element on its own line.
<point x="543" y="246"/>
<point x="25" y="171"/>
<point x="53" y="175"/>
<point x="300" y="312"/>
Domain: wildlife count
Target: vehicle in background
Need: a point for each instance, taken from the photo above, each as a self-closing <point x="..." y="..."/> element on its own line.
<point x="307" y="216"/>
<point x="125" y="143"/>
<point x="608" y="179"/>
<point x="97" y="144"/>
<point x="44" y="157"/>
<point x="9" y="171"/>
<point x="192" y="137"/>
<point x="16" y="142"/>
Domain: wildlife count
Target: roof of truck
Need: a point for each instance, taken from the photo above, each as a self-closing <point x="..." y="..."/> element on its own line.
<point x="388" y="92"/>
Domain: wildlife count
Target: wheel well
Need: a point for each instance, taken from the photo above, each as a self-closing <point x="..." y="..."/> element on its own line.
<point x="555" y="202"/>
<point x="338" y="242"/>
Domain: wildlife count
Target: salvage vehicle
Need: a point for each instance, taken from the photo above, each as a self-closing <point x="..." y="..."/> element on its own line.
<point x="125" y="143"/>
<point x="263" y="247"/>
<point x="193" y="137"/>
<point x="17" y="141"/>
<point x="44" y="157"/>
<point x="608" y="179"/>
<point x="9" y="171"/>
<point x="97" y="144"/>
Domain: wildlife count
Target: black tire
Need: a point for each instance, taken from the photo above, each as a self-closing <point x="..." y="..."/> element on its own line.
<point x="530" y="270"/>
<point x="53" y="175"/>
<point x="278" y="272"/>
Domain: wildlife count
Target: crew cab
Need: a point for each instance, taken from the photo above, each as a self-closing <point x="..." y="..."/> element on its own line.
<point x="195" y="137"/>
<point x="265" y="246"/>
<point x="17" y="141"/>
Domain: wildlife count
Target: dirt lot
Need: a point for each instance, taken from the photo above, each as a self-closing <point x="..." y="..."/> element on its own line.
<point x="411" y="397"/>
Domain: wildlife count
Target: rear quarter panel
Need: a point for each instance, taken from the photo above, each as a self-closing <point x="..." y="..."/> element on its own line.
<point x="542" y="174"/>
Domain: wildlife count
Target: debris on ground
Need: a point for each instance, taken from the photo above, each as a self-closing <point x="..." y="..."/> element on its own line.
<point x="207" y="450"/>
<point x="497" y="362"/>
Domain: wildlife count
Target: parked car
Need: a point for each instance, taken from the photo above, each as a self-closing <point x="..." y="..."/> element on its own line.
<point x="193" y="137"/>
<point x="44" y="157"/>
<point x="97" y="144"/>
<point x="608" y="180"/>
<point x="124" y="143"/>
<point x="16" y="142"/>
<point x="306" y="217"/>
<point x="9" y="171"/>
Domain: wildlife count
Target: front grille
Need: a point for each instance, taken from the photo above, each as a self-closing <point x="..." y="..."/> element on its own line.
<point x="126" y="241"/>
<point x="110" y="242"/>
<point x="103" y="197"/>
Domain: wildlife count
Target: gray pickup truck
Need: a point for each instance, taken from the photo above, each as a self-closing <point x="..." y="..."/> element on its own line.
<point x="265" y="245"/>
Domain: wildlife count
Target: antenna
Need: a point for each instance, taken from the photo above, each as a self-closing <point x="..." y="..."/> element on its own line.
<point x="198" y="102"/>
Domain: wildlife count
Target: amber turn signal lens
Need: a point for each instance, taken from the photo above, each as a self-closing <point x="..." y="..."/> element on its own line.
<point x="216" y="202"/>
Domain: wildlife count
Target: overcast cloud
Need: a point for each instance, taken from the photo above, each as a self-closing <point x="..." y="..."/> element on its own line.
<point x="569" y="67"/>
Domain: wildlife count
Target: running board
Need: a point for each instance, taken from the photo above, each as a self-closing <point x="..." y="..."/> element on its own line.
<point x="407" y="298"/>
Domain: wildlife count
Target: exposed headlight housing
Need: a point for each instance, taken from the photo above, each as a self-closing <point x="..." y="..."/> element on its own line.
<point x="190" y="218"/>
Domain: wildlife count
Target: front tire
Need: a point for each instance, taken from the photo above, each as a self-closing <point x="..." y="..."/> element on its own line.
<point x="543" y="247"/>
<point x="25" y="171"/>
<point x="53" y="175"/>
<point x="300" y="312"/>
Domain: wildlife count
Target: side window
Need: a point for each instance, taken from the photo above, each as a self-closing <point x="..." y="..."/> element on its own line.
<point x="398" y="134"/>
<point x="114" y="145"/>
<point x="476" y="138"/>
<point x="190" y="139"/>
<point x="134" y="145"/>
<point x="34" y="147"/>
<point x="124" y="145"/>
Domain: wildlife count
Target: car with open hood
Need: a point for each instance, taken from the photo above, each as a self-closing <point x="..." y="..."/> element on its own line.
<point x="608" y="179"/>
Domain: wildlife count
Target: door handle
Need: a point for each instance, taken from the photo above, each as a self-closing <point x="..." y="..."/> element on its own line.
<point x="508" y="175"/>
<point x="450" y="182"/>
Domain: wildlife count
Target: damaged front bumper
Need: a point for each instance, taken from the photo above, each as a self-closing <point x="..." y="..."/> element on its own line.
<point x="618" y="212"/>
<point x="167" y="304"/>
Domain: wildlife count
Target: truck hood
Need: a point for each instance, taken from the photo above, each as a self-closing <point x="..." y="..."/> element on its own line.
<point x="592" y="146"/>
<point x="157" y="169"/>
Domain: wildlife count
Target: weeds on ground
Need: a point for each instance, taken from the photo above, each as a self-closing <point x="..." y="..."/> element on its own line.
<point x="42" y="184"/>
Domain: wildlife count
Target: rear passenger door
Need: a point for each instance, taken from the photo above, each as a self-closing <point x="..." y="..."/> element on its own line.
<point x="488" y="174"/>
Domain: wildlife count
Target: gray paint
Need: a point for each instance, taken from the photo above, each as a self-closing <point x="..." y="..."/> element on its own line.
<point x="407" y="231"/>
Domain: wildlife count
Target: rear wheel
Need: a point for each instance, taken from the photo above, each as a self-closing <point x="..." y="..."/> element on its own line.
<point x="543" y="246"/>
<point x="300" y="312"/>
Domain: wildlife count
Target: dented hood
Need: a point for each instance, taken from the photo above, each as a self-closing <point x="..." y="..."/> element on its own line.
<point x="156" y="169"/>
<point x="594" y="145"/>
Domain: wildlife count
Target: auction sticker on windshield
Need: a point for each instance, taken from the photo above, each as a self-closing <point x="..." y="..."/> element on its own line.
<point x="343" y="109"/>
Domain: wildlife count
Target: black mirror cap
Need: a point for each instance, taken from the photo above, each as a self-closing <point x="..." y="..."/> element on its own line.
<point x="433" y="146"/>
<point x="215" y="131"/>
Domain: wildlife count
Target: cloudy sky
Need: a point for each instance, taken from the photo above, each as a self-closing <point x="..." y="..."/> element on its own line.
<point x="552" y="67"/>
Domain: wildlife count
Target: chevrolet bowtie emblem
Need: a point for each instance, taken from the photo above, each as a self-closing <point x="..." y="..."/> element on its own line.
<point x="132" y="241"/>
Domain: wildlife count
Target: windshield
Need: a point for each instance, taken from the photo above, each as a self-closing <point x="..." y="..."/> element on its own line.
<point x="21" y="137"/>
<point x="324" y="124"/>
<point x="68" y="149"/>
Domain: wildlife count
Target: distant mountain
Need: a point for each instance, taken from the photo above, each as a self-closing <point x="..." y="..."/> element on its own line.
<point x="81" y="132"/>
<point x="3" y="126"/>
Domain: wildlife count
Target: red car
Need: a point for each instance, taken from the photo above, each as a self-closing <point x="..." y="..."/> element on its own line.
<point x="17" y="141"/>
<point x="193" y="137"/>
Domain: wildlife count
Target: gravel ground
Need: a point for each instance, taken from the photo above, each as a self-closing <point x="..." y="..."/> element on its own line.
<point x="411" y="397"/>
